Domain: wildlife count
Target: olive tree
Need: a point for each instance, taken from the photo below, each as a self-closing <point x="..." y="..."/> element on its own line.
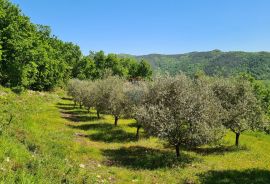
<point x="75" y="89"/>
<point x="242" y="108"/>
<point x="71" y="87"/>
<point x="88" y="95"/>
<point x="182" y="112"/>
<point x="110" y="97"/>
<point x="136" y="93"/>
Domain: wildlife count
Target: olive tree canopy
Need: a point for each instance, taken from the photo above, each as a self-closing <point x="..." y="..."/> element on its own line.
<point x="240" y="104"/>
<point x="182" y="112"/>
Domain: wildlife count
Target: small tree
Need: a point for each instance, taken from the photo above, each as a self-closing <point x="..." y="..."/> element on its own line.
<point x="101" y="94"/>
<point x="88" y="95"/>
<point x="75" y="90"/>
<point x="71" y="89"/>
<point x="182" y="112"/>
<point x="241" y="106"/>
<point x="136" y="94"/>
<point x="110" y="97"/>
<point x="144" y="69"/>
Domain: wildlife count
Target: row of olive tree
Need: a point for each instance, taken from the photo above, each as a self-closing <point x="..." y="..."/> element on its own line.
<point x="105" y="95"/>
<point x="185" y="112"/>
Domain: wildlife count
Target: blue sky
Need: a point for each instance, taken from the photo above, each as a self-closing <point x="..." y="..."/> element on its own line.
<point x="155" y="26"/>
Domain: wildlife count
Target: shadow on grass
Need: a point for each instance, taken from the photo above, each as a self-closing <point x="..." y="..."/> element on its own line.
<point x="137" y="157"/>
<point x="250" y="176"/>
<point x="113" y="135"/>
<point x="65" y="104"/>
<point x="70" y="107"/>
<point x="76" y="112"/>
<point x="220" y="150"/>
<point x="106" y="132"/>
<point x="66" y="108"/>
<point x="80" y="118"/>
<point x="133" y="125"/>
<point x="66" y="98"/>
<point x="96" y="126"/>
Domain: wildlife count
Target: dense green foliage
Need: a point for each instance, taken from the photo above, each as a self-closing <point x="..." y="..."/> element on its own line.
<point x="31" y="57"/>
<point x="98" y="65"/>
<point x="213" y="63"/>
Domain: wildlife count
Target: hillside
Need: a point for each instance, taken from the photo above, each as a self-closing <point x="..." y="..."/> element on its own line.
<point x="50" y="141"/>
<point x="213" y="63"/>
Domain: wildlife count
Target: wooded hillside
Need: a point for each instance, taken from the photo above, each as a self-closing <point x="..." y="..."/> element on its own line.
<point x="213" y="63"/>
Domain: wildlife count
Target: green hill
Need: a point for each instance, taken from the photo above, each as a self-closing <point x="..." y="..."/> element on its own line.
<point x="51" y="141"/>
<point x="213" y="63"/>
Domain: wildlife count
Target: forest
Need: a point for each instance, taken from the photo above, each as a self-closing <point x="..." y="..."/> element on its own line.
<point x="33" y="58"/>
<point x="66" y="117"/>
<point x="212" y="63"/>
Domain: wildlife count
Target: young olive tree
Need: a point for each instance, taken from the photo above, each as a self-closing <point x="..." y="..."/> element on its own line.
<point x="75" y="89"/>
<point x="136" y="94"/>
<point x="241" y="106"/>
<point x="71" y="88"/>
<point x="101" y="93"/>
<point x="182" y="112"/>
<point x="88" y="95"/>
<point x="111" y="97"/>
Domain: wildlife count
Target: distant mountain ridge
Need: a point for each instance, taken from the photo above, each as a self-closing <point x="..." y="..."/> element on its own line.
<point x="212" y="63"/>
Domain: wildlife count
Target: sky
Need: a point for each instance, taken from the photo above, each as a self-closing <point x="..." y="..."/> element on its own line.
<point x="155" y="26"/>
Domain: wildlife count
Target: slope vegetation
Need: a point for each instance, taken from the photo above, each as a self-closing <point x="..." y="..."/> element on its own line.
<point x="51" y="141"/>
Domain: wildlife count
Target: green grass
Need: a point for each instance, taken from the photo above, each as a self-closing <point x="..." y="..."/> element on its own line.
<point x="50" y="141"/>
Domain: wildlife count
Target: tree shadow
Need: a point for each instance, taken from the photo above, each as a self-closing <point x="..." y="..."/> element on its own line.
<point x="76" y="112"/>
<point x="67" y="98"/>
<point x="80" y="118"/>
<point x="71" y="109"/>
<point x="219" y="150"/>
<point x="96" y="126"/>
<point x="113" y="135"/>
<point x="65" y="104"/>
<point x="106" y="132"/>
<point x="66" y="108"/>
<point x="250" y="176"/>
<point x="133" y="125"/>
<point x="137" y="157"/>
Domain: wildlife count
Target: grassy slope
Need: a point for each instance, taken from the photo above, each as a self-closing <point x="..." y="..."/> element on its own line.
<point x="53" y="142"/>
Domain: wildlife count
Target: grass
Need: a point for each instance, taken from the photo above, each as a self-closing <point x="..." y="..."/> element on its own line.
<point x="50" y="141"/>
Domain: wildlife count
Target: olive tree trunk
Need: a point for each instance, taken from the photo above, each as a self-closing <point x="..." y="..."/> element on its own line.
<point x="237" y="135"/>
<point x="138" y="132"/>
<point x="177" y="150"/>
<point x="116" y="120"/>
<point x="98" y="115"/>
